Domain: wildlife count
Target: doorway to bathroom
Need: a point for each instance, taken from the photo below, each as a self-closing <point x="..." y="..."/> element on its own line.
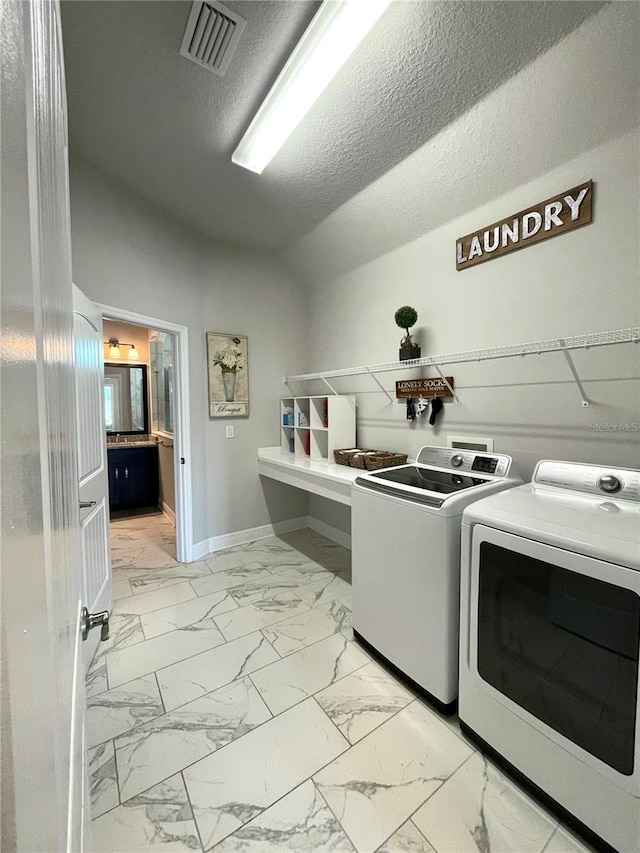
<point x="147" y="434"/>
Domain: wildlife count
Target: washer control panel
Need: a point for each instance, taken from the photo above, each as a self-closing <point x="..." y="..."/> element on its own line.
<point x="589" y="479"/>
<point x="487" y="464"/>
<point x="465" y="460"/>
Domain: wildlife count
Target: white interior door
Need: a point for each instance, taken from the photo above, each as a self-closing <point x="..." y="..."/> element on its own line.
<point x="92" y="462"/>
<point x="41" y="663"/>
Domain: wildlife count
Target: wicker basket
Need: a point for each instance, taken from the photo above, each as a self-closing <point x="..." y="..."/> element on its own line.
<point x="384" y="460"/>
<point x="371" y="460"/>
<point x="357" y="460"/>
<point x="344" y="457"/>
<point x="408" y="351"/>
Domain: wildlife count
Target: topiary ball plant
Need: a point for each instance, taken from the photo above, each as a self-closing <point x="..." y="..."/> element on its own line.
<point x="406" y="317"/>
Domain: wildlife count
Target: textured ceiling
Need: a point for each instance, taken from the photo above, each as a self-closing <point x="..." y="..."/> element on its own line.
<point x="165" y="128"/>
<point x="581" y="95"/>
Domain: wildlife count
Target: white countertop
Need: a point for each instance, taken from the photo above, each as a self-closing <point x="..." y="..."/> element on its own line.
<point x="313" y="475"/>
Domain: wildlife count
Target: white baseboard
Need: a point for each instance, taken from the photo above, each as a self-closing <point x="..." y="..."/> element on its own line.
<point x="166" y="509"/>
<point x="199" y="550"/>
<point x="241" y="537"/>
<point x="333" y="533"/>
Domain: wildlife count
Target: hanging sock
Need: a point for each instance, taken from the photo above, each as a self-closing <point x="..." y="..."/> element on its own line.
<point x="411" y="411"/>
<point x="436" y="406"/>
<point x="421" y="406"/>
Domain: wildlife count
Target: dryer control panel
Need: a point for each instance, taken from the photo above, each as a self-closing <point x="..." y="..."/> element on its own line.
<point x="465" y="460"/>
<point x="595" y="480"/>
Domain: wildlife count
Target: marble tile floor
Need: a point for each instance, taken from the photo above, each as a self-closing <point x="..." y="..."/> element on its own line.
<point x="232" y="711"/>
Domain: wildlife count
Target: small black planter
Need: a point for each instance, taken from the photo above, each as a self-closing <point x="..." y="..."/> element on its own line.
<point x="408" y="351"/>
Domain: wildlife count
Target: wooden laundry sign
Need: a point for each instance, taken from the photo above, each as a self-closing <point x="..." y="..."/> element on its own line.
<point x="556" y="215"/>
<point x="425" y="388"/>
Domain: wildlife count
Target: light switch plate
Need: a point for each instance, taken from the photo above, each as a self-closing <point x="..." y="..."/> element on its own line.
<point x="229" y="431"/>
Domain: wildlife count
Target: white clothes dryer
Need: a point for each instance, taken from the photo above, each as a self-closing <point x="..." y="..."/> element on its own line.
<point x="550" y="639"/>
<point x="405" y="554"/>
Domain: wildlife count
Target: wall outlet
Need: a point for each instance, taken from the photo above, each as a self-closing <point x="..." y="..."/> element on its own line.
<point x="229" y="432"/>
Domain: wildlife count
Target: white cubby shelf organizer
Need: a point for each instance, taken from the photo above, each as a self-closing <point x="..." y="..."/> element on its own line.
<point x="562" y="345"/>
<point x="313" y="427"/>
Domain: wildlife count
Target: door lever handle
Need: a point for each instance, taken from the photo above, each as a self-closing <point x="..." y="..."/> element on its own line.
<point x="92" y="620"/>
<point x="87" y="504"/>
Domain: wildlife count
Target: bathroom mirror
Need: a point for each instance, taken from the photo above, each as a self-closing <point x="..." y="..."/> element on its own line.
<point x="125" y="399"/>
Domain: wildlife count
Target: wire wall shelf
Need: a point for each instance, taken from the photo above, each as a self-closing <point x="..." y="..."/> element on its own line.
<point x="563" y="345"/>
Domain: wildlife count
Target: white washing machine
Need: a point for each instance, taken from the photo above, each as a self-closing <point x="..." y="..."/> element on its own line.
<point x="549" y="641"/>
<point x="405" y="554"/>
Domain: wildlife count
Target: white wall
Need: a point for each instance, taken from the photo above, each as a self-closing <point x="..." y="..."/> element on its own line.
<point x="128" y="256"/>
<point x="567" y="118"/>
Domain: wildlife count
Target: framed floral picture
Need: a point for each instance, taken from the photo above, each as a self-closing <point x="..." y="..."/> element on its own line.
<point x="228" y="372"/>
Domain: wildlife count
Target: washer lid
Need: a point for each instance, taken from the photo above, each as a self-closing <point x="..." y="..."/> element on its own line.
<point x="444" y="491"/>
<point x="428" y="479"/>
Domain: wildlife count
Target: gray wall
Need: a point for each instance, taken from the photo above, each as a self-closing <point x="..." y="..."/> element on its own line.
<point x="581" y="282"/>
<point x="127" y="255"/>
<point x="571" y="116"/>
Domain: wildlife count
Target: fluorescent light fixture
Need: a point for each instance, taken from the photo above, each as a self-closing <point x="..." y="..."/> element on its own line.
<point x="335" y="32"/>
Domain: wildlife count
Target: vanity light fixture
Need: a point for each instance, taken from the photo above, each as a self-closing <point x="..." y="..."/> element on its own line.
<point x="114" y="349"/>
<point x="332" y="36"/>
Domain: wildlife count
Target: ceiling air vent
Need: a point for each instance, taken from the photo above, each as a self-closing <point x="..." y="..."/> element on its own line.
<point x="212" y="34"/>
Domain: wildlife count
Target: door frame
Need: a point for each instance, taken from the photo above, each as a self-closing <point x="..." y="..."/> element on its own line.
<point x="182" y="421"/>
